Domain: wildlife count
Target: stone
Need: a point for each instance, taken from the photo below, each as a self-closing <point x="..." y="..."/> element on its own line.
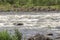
<point x="50" y="34"/>
<point x="31" y="38"/>
<point x="57" y="38"/>
<point x="18" y="24"/>
<point x="39" y="37"/>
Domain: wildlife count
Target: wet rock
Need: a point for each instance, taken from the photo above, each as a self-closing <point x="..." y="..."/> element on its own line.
<point x="18" y="24"/>
<point x="31" y="38"/>
<point x="39" y="37"/>
<point x="57" y="38"/>
<point x="50" y="34"/>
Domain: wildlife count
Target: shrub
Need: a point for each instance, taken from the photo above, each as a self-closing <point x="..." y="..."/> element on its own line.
<point x="4" y="35"/>
<point x="18" y="34"/>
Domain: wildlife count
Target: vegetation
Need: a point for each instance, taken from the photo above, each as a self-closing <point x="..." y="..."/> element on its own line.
<point x="4" y="35"/>
<point x="30" y="2"/>
<point x="11" y="4"/>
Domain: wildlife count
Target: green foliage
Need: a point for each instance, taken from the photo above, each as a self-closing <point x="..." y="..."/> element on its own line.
<point x="30" y="2"/>
<point x="4" y="35"/>
<point x="6" y="5"/>
<point x="18" y="34"/>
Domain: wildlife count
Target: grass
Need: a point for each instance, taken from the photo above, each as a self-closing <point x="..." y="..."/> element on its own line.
<point x="9" y="7"/>
<point x="25" y="8"/>
<point x="22" y="5"/>
<point x="4" y="35"/>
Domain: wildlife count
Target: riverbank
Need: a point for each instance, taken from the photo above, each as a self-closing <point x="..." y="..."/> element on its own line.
<point x="30" y="5"/>
<point x="7" y="8"/>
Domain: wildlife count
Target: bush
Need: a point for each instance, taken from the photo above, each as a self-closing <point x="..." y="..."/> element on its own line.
<point x="4" y="35"/>
<point x="18" y="34"/>
<point x="34" y="2"/>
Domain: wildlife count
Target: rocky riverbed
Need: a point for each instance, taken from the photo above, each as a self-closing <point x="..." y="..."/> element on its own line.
<point x="31" y="23"/>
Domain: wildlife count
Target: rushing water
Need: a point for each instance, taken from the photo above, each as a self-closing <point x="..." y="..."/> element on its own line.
<point x="33" y="22"/>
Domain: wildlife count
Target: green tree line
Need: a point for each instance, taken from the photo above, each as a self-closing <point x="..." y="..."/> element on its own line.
<point x="31" y="2"/>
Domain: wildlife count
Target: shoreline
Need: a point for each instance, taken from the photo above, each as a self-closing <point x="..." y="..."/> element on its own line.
<point x="28" y="13"/>
<point x="30" y="9"/>
<point x="20" y="10"/>
<point x="33" y="11"/>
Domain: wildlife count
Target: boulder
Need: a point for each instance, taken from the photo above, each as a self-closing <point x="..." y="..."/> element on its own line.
<point x="39" y="37"/>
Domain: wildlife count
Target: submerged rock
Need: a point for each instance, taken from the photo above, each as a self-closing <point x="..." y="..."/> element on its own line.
<point x="18" y="24"/>
<point x="57" y="38"/>
<point x="39" y="37"/>
<point x="50" y="34"/>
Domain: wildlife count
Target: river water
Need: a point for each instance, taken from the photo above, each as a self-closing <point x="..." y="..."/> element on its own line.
<point x="33" y="23"/>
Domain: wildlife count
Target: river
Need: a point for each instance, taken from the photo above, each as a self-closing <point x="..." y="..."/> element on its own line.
<point x="33" y="23"/>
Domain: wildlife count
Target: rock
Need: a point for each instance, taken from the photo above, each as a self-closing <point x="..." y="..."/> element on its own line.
<point x="18" y="24"/>
<point x="31" y="38"/>
<point x="50" y="34"/>
<point x="57" y="38"/>
<point x="39" y="37"/>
